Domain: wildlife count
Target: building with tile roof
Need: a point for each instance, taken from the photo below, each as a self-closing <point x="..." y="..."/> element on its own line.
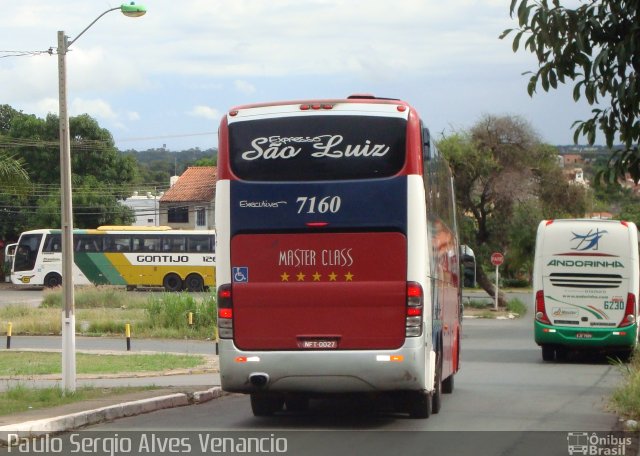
<point x="190" y="201"/>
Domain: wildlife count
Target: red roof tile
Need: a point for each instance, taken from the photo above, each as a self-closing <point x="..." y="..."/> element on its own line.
<point x="197" y="183"/>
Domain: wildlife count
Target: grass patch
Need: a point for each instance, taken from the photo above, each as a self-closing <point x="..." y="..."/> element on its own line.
<point x="37" y="363"/>
<point x="106" y="310"/>
<point x="517" y="307"/>
<point x="21" y="398"/>
<point x="625" y="399"/>
<point x="168" y="313"/>
<point x="476" y="304"/>
<point x="92" y="297"/>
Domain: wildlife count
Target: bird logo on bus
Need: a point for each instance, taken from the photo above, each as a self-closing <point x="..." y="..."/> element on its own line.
<point x="588" y="241"/>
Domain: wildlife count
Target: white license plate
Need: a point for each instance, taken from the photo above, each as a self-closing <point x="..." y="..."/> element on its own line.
<point x="318" y="344"/>
<point x="583" y="336"/>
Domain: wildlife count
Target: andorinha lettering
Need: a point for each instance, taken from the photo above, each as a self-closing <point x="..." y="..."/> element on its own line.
<point x="586" y="264"/>
<point x="307" y="257"/>
<point x="274" y="148"/>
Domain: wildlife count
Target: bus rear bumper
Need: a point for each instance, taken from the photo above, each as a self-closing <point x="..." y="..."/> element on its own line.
<point x="321" y="371"/>
<point x="585" y="337"/>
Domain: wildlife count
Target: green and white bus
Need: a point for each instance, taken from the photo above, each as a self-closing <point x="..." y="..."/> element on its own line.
<point x="585" y="286"/>
<point x="132" y="256"/>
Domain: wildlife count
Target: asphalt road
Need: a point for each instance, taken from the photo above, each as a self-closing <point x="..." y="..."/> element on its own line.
<point x="12" y="294"/>
<point x="503" y="385"/>
<point x="506" y="401"/>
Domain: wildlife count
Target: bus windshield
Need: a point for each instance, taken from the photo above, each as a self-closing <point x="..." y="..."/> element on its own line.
<point x="27" y="252"/>
<point x="316" y="148"/>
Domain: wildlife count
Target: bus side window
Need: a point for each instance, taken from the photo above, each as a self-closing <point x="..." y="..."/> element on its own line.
<point x="174" y="244"/>
<point x="138" y="245"/>
<point x="52" y="243"/>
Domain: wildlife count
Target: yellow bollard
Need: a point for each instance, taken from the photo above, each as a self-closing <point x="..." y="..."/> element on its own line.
<point x="9" y="329"/>
<point x="190" y="318"/>
<point x="127" y="331"/>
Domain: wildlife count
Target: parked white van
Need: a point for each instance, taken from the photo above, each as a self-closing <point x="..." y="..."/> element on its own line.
<point x="585" y="286"/>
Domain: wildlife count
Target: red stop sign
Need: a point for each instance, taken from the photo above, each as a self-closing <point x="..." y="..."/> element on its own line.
<point x="497" y="258"/>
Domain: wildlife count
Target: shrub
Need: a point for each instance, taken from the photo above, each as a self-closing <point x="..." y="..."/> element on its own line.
<point x="171" y="310"/>
<point x="516" y="283"/>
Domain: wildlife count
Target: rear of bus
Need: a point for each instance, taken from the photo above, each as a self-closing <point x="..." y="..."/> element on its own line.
<point x="586" y="286"/>
<point x="322" y="255"/>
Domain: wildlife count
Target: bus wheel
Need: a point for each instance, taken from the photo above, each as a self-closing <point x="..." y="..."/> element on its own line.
<point x="194" y="282"/>
<point x="447" y="385"/>
<point x="297" y="403"/>
<point x="52" y="280"/>
<point x="548" y="353"/>
<point x="264" y="404"/>
<point x="419" y="405"/>
<point x="436" y="397"/>
<point x="172" y="282"/>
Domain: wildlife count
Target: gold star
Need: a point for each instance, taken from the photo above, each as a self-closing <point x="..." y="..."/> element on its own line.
<point x="332" y="276"/>
<point x="285" y="277"/>
<point x="348" y="277"/>
<point x="300" y="277"/>
<point x="316" y="277"/>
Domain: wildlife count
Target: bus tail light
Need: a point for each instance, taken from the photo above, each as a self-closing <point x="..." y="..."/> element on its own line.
<point x="629" y="312"/>
<point x="415" y="306"/>
<point x="225" y="312"/>
<point x="541" y="312"/>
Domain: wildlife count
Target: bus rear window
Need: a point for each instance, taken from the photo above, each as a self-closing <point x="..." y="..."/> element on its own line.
<point x="323" y="147"/>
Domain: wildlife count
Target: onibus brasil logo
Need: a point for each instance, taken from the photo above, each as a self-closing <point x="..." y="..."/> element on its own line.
<point x="597" y="444"/>
<point x="588" y="241"/>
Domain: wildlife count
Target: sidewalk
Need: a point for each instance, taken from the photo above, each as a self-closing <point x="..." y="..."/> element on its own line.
<point x="175" y="388"/>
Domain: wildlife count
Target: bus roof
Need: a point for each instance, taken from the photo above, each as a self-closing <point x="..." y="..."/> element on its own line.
<point x="133" y="228"/>
<point x="357" y="102"/>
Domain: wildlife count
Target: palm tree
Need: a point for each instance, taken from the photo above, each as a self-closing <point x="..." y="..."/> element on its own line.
<point x="12" y="172"/>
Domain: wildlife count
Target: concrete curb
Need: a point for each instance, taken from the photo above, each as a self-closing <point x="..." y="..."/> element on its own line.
<point x="38" y="428"/>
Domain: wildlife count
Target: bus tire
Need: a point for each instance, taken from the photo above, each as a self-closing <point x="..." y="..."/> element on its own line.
<point x="297" y="403"/>
<point x="419" y="405"/>
<point x="264" y="404"/>
<point x="447" y="385"/>
<point x="548" y="353"/>
<point x="172" y="282"/>
<point x="194" y="283"/>
<point x="436" y="396"/>
<point x="624" y="355"/>
<point x="52" y="280"/>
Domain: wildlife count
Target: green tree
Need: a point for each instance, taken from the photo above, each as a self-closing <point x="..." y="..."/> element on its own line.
<point x="596" y="47"/>
<point x="502" y="173"/>
<point x="100" y="173"/>
<point x="14" y="182"/>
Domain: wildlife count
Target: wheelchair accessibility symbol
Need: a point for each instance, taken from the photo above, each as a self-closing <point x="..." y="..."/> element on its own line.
<point x="240" y="274"/>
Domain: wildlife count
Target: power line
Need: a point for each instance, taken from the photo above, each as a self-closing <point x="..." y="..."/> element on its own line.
<point x="183" y="135"/>
<point x="24" y="53"/>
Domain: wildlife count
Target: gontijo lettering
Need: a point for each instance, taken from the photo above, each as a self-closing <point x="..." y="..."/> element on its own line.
<point x="162" y="258"/>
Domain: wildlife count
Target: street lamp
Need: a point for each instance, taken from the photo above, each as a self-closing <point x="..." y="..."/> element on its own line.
<point x="68" y="317"/>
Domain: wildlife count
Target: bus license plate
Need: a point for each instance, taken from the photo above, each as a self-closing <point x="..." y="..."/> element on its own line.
<point x="318" y="344"/>
<point x="583" y="335"/>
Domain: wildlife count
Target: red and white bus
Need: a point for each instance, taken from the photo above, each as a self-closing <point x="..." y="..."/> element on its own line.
<point x="337" y="255"/>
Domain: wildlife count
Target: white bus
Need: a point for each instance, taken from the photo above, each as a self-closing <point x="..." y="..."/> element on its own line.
<point x="118" y="255"/>
<point x="585" y="286"/>
<point x="9" y="253"/>
<point x="338" y="256"/>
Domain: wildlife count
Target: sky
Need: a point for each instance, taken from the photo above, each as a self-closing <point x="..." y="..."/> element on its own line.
<point x="165" y="79"/>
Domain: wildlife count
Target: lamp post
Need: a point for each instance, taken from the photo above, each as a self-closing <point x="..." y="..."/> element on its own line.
<point x="68" y="317"/>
